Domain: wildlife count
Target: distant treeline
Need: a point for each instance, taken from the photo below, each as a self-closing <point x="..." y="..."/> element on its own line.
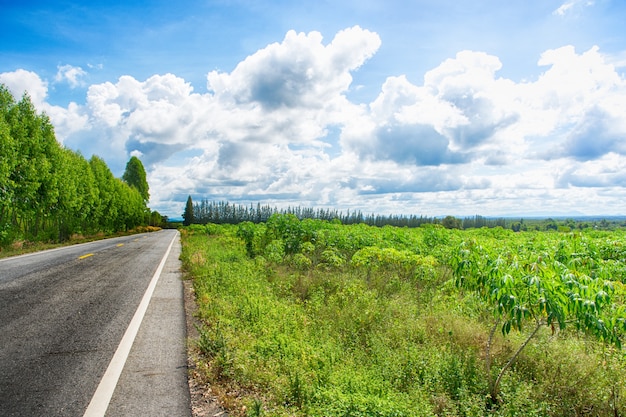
<point x="223" y="212"/>
<point x="49" y="192"/>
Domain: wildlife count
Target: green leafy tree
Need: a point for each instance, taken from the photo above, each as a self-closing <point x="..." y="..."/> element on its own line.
<point x="451" y="222"/>
<point x="132" y="209"/>
<point x="158" y="220"/>
<point x="188" y="215"/>
<point x="7" y="164"/>
<point x="48" y="192"/>
<point x="105" y="209"/>
<point x="75" y="212"/>
<point x="33" y="175"/>
<point x="135" y="176"/>
<point x="527" y="290"/>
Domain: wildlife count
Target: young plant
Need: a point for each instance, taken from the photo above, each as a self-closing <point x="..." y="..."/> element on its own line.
<point x="533" y="288"/>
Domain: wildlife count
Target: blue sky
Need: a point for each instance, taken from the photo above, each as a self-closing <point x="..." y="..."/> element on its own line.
<point x="425" y="107"/>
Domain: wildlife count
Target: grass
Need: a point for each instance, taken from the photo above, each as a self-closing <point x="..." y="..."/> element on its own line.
<point x="313" y="334"/>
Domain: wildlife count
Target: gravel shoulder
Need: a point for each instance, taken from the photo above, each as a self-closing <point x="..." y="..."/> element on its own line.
<point x="203" y="402"/>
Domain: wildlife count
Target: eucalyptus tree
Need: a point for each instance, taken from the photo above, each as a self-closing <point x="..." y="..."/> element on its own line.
<point x="7" y="160"/>
<point x="48" y="192"/>
<point x="36" y="151"/>
<point x="78" y="195"/>
<point x="135" y="176"/>
<point x="105" y="209"/>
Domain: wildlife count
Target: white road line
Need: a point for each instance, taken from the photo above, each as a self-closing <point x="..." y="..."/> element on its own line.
<point x="101" y="398"/>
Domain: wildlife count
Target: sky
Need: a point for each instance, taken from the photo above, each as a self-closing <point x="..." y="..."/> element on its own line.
<point x="425" y="107"/>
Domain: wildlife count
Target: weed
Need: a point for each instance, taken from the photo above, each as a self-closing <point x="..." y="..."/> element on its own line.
<point x="331" y="320"/>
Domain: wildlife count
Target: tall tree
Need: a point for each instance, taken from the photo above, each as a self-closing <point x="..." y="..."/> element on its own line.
<point x="48" y="192"/>
<point x="36" y="190"/>
<point x="188" y="214"/>
<point x="135" y="176"/>
<point x="7" y="162"/>
<point x="105" y="207"/>
<point x="78" y="195"/>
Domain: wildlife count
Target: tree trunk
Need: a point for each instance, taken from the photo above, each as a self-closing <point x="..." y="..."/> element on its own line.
<point x="488" y="357"/>
<point x="496" y="386"/>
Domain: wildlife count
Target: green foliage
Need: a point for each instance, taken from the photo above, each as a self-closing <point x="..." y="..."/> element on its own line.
<point x="135" y="176"/>
<point x="451" y="222"/>
<point x="188" y="215"/>
<point x="287" y="228"/>
<point x="551" y="282"/>
<point x="368" y="321"/>
<point x="7" y="164"/>
<point x="403" y="262"/>
<point x="49" y="193"/>
<point x="246" y="231"/>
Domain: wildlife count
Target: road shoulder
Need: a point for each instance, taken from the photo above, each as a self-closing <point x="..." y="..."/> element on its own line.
<point x="154" y="381"/>
<point x="203" y="402"/>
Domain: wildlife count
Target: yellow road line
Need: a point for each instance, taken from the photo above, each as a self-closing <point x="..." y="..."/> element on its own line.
<point x="85" y="256"/>
<point x="120" y="244"/>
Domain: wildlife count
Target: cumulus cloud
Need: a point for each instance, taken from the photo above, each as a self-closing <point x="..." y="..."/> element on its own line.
<point x="455" y="113"/>
<point x="288" y="92"/>
<point x="596" y="134"/>
<point x="155" y="117"/>
<point x="298" y="72"/>
<point x="577" y="100"/>
<point x="279" y="127"/>
<point x="70" y="74"/>
<point x="21" y="81"/>
<point x="608" y="171"/>
<point x="66" y="120"/>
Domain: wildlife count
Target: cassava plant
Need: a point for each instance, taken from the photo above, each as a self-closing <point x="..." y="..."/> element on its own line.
<point x="532" y="289"/>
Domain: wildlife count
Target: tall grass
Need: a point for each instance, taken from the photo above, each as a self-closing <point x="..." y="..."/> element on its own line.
<point x="335" y="329"/>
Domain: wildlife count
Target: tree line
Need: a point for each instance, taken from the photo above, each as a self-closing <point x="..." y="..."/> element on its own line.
<point x="49" y="192"/>
<point x="224" y="212"/>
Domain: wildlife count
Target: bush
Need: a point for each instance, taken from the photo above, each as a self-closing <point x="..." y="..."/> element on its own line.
<point x="387" y="333"/>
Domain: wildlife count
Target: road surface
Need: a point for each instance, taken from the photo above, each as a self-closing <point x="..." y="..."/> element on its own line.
<point x="63" y="314"/>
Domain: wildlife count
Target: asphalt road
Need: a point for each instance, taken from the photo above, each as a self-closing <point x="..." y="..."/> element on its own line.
<point x="63" y="313"/>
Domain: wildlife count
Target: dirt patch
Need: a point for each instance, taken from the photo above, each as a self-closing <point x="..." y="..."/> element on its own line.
<point x="203" y="402"/>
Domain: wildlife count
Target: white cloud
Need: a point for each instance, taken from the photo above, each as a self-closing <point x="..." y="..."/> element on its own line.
<point x="96" y="66"/>
<point x="607" y="171"/>
<point x="455" y="114"/>
<point x="572" y="6"/>
<point x="299" y="72"/>
<point x="564" y="8"/>
<point x="279" y="128"/>
<point x="70" y="74"/>
<point x="21" y="81"/>
<point x="66" y="120"/>
<point x="149" y="117"/>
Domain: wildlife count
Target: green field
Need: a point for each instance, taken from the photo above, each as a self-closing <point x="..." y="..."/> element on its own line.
<point x="315" y="318"/>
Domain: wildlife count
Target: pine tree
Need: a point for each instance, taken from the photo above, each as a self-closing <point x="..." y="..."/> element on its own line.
<point x="188" y="214"/>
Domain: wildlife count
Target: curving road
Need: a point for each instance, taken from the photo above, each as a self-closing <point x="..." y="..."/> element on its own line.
<point x="63" y="313"/>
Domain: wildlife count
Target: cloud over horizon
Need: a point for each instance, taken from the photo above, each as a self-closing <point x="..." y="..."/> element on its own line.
<point x="281" y="128"/>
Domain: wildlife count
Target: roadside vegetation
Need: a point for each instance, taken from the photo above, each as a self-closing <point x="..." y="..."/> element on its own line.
<point x="51" y="194"/>
<point x="224" y="212"/>
<point x="315" y="318"/>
